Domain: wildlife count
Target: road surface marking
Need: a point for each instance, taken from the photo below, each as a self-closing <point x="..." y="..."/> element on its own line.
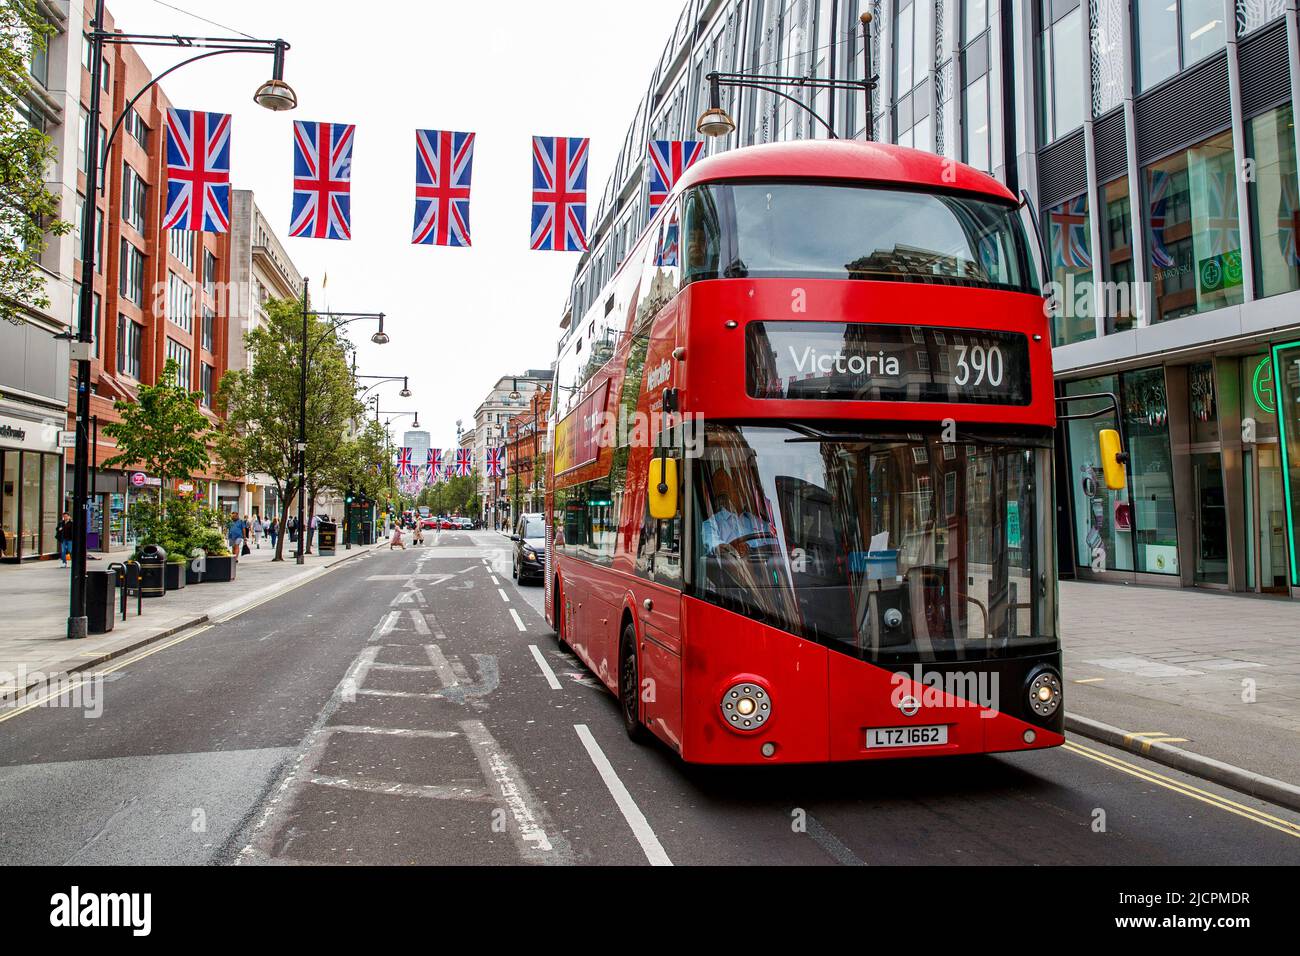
<point x="546" y="668"/>
<point x="385" y="625"/>
<point x="650" y="845"/>
<point x="504" y="597"/>
<point x="1186" y="789"/>
<point x="413" y="668"/>
<point x="439" y="661"/>
<point x="432" y="792"/>
<point x="529" y="816"/>
<point x="421" y="625"/>
<point x="519" y="621"/>
<point x="392" y="731"/>
<point x="494" y="579"/>
<point x="1090" y="680"/>
<point x="1144" y="667"/>
<point x="832" y="844"/>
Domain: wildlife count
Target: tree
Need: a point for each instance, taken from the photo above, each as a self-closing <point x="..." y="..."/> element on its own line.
<point x="260" y="433"/>
<point x="162" y="431"/>
<point x="27" y="208"/>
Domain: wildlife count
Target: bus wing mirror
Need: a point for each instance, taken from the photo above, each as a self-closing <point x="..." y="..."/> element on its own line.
<point x="661" y="488"/>
<point x="1114" y="461"/>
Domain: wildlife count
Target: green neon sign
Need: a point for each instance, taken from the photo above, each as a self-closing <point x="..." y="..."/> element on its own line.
<point x="1262" y="384"/>
<point x="1284" y="421"/>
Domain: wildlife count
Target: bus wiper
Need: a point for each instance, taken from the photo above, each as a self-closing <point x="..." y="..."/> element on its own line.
<point x="816" y="434"/>
<point x="736" y="270"/>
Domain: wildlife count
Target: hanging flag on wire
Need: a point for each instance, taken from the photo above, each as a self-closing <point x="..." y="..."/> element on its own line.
<point x="559" y="193"/>
<point x="496" y="462"/>
<point x="404" y="467"/>
<point x="432" y="465"/>
<point x="443" y="163"/>
<point x="198" y="171"/>
<point x="449" y="464"/>
<point x="666" y="160"/>
<point x="322" y="180"/>
<point x="464" y="462"/>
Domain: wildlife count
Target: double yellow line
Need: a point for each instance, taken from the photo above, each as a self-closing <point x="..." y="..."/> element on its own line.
<point x="85" y="677"/>
<point x="1186" y="789"/>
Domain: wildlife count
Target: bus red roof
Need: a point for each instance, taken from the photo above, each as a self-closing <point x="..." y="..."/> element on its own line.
<point x="843" y="159"/>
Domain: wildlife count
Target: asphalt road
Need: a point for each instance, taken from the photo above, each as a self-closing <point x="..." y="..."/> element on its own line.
<point x="413" y="707"/>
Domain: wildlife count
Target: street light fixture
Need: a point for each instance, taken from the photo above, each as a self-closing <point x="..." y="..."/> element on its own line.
<point x="716" y="121"/>
<point x="275" y="94"/>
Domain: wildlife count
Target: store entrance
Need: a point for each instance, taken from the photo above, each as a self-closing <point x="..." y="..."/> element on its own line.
<point x="1266" y="564"/>
<point x="1211" y="516"/>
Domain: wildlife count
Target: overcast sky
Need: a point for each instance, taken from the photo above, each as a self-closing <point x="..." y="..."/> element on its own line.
<point x="459" y="318"/>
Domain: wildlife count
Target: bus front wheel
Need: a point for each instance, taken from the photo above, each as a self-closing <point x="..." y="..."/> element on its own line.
<point x="629" y="686"/>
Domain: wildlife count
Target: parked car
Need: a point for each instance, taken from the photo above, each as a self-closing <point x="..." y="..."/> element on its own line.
<point x="530" y="548"/>
<point x="429" y="521"/>
<point x="446" y="523"/>
<point x="465" y="524"/>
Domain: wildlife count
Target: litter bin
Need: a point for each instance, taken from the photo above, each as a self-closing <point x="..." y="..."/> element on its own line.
<point x="152" y="581"/>
<point x="101" y="604"/>
<point x="327" y="534"/>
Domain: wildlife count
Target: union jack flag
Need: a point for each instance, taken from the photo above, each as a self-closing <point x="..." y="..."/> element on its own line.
<point x="1160" y="254"/>
<point x="1288" y="220"/>
<point x="1069" y="234"/>
<point x="496" y="462"/>
<point x="1222" y="226"/>
<point x="443" y="162"/>
<point x="404" y="467"/>
<point x="449" y="464"/>
<point x="666" y="246"/>
<point x="464" y="462"/>
<point x="559" y="193"/>
<point x="198" y="171"/>
<point x="322" y="180"/>
<point x="433" y="466"/>
<point x="666" y="161"/>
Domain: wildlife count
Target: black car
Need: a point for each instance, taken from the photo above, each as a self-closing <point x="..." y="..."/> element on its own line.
<point x="530" y="548"/>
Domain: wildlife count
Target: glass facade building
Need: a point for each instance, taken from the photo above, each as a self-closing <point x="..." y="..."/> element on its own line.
<point x="1156" y="142"/>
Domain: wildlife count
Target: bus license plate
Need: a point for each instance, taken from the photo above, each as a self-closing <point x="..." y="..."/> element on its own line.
<point x="928" y="736"/>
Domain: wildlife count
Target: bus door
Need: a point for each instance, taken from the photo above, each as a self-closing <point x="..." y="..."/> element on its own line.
<point x="659" y="626"/>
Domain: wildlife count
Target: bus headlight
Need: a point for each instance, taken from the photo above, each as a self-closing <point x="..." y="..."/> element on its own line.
<point x="1044" y="692"/>
<point x="746" y="706"/>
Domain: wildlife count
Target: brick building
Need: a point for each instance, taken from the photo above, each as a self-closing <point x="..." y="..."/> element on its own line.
<point x="525" y="477"/>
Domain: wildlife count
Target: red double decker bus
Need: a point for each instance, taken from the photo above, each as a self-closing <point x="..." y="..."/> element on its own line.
<point x="800" y="499"/>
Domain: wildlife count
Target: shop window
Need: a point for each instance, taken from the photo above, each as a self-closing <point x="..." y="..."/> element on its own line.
<point x="1258" y="398"/>
<point x="9" y="504"/>
<point x="1193" y="231"/>
<point x="1070" y="243"/>
<point x="1102" y="518"/>
<point x="1274" y="206"/>
<point x="1174" y="34"/>
<point x="1146" y="439"/>
<point x="1286" y="372"/>
<point x="1204" y="408"/>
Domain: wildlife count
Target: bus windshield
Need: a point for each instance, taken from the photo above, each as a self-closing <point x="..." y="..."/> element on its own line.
<point x="894" y="549"/>
<point x="820" y="230"/>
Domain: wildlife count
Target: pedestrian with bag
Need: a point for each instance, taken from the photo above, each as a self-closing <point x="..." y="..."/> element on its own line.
<point x="235" y="534"/>
<point x="63" y="535"/>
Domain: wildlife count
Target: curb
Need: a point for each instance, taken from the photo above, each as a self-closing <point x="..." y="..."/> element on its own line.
<point x="215" y="614"/>
<point x="1245" y="781"/>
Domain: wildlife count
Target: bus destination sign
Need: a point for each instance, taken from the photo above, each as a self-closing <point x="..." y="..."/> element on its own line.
<point x="857" y="361"/>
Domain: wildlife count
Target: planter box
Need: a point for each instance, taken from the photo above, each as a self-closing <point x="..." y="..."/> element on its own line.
<point x="192" y="576"/>
<point x="173" y="576"/>
<point x="221" y="568"/>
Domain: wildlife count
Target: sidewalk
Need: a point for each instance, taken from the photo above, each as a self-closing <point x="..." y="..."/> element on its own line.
<point x="35" y="597"/>
<point x="1211" y="674"/>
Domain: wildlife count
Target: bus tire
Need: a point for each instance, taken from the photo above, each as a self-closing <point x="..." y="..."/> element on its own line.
<point x="629" y="686"/>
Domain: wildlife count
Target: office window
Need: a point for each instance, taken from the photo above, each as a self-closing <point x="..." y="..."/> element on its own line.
<point x="136" y="129"/>
<point x="130" y="340"/>
<point x="978" y="150"/>
<point x="79" y="218"/>
<point x="209" y="328"/>
<point x="1070" y="244"/>
<point x="134" y="195"/>
<point x="99" y="241"/>
<point x="209" y="272"/>
<point x="83" y="138"/>
<point x="1106" y="52"/>
<point x="1275" y="210"/>
<point x="1192" y="230"/>
<point x="40" y="64"/>
<point x="180" y="302"/>
<point x="913" y="42"/>
<point x="207" y="383"/>
<point x="181" y="356"/>
<point x="180" y="243"/>
<point x="1117" y="256"/>
<point x="1174" y="34"/>
<point x="1061" y="76"/>
<point x="130" y="269"/>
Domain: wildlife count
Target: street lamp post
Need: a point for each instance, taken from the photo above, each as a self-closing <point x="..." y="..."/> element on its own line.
<point x="379" y="338"/>
<point x="275" y="94"/>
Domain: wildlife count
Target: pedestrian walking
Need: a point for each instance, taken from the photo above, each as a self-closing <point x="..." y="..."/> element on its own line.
<point x="64" y="536"/>
<point x="257" y="532"/>
<point x="292" y="528"/>
<point x="235" y="534"/>
<point x="396" y="540"/>
<point x="273" y="529"/>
